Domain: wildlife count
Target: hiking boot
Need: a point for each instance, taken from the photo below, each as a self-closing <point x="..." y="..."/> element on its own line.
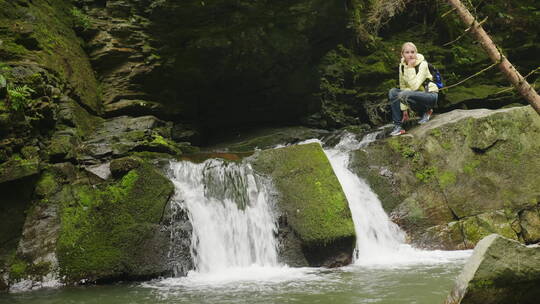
<point x="398" y="130"/>
<point x="405" y="116"/>
<point x="426" y="117"/>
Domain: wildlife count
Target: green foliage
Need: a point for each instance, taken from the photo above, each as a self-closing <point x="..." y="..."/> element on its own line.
<point x="17" y="270"/>
<point x="80" y="19"/>
<point x="426" y="174"/>
<point x="19" y="97"/>
<point x="446" y="179"/>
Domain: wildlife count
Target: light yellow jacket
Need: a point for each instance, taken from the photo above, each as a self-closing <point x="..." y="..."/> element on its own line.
<point x="410" y="81"/>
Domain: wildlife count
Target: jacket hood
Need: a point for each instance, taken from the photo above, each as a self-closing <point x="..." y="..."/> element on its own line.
<point x="419" y="59"/>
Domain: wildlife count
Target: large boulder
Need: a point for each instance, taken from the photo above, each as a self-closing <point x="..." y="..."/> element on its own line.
<point x="316" y="227"/>
<point x="117" y="136"/>
<point x="80" y="228"/>
<point x="460" y="177"/>
<point x="112" y="230"/>
<point x="500" y="271"/>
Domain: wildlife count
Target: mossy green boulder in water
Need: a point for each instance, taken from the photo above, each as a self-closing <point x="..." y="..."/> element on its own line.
<point x="106" y="228"/>
<point x="311" y="201"/>
<point x="500" y="271"/>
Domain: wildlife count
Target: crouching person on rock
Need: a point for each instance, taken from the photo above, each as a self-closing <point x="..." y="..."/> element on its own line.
<point x="416" y="89"/>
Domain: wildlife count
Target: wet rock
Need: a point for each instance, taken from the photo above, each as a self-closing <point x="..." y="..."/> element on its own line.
<point x="112" y="230"/>
<point x="311" y="204"/>
<point x="500" y="271"/>
<point x="529" y="221"/>
<point x="37" y="249"/>
<point x="15" y="169"/>
<point x="119" y="167"/>
<point x="265" y="138"/>
<point x="103" y="171"/>
<point x="63" y="145"/>
<point x="476" y="169"/>
<point x="120" y="135"/>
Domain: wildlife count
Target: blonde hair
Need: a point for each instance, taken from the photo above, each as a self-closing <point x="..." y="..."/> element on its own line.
<point x="409" y="44"/>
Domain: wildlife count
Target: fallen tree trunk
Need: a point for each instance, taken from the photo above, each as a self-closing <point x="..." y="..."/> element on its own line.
<point x="520" y="83"/>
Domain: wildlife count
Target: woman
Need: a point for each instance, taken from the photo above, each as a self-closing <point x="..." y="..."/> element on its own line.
<point x="416" y="89"/>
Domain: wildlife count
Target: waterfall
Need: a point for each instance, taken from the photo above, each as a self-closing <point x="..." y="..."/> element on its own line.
<point x="230" y="211"/>
<point x="379" y="240"/>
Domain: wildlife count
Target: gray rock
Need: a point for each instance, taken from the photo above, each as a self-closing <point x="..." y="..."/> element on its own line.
<point x="476" y="168"/>
<point x="133" y="108"/>
<point x="500" y="271"/>
<point x="101" y="170"/>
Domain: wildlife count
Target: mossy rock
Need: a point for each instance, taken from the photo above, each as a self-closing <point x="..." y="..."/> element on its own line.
<point x="105" y="230"/>
<point x="16" y="199"/>
<point x="63" y="146"/>
<point x="529" y="221"/>
<point x="43" y="35"/>
<point x="121" y="166"/>
<point x="311" y="199"/>
<point x="476" y="167"/>
<point x="17" y="168"/>
<point x="477" y="227"/>
<point x="264" y="138"/>
<point x="499" y="271"/>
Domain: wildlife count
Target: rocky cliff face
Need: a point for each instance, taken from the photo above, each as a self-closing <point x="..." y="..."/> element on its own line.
<point x="460" y="177"/>
<point x="212" y="64"/>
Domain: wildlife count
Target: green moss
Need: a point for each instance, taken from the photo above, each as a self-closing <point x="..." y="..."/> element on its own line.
<point x="446" y="179"/>
<point x="18" y="270"/>
<point x="470" y="167"/>
<point x="80" y="19"/>
<point x="47" y="184"/>
<point x="311" y="196"/>
<point x="54" y="44"/>
<point x="18" y="168"/>
<point x="480" y="285"/>
<point x="103" y="227"/>
<point x="425" y="175"/>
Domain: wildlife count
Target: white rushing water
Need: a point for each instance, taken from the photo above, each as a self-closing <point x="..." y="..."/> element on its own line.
<point x="379" y="240"/>
<point x="230" y="211"/>
<point x="234" y="228"/>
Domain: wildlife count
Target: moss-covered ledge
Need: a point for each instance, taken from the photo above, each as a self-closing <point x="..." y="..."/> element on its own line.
<point x="311" y="201"/>
<point x="460" y="177"/>
<point x="109" y="231"/>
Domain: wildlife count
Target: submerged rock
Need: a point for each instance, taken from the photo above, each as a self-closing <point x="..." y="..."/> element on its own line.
<point x="500" y="271"/>
<point x="460" y="177"/>
<point x="315" y="221"/>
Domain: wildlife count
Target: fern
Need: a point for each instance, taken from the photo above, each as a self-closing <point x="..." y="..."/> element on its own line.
<point x="19" y="97"/>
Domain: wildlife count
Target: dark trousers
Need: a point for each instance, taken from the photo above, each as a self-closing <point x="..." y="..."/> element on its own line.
<point x="420" y="102"/>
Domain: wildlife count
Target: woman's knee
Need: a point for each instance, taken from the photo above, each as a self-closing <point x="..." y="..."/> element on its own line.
<point x="392" y="94"/>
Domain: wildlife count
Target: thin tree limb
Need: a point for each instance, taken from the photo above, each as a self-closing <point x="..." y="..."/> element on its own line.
<point x="510" y="72"/>
<point x="465" y="32"/>
<point x="472" y="76"/>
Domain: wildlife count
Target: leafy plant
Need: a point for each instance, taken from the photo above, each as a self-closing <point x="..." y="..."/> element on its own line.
<point x="80" y="19"/>
<point x="19" y="97"/>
